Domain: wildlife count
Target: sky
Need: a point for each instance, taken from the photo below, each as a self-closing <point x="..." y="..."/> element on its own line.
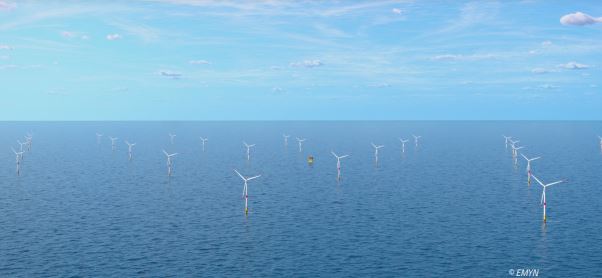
<point x="300" y="60"/>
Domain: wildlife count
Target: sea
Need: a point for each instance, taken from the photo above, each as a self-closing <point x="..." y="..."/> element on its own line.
<point x="456" y="204"/>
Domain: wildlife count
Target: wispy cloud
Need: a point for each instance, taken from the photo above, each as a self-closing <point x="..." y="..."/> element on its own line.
<point x="542" y="70"/>
<point x="113" y="37"/>
<point x="71" y="35"/>
<point x="145" y="33"/>
<point x="277" y="90"/>
<point x="397" y="11"/>
<point x="199" y="62"/>
<point x="5" y="47"/>
<point x="573" y="66"/>
<point x="548" y="86"/>
<point x="170" y="74"/>
<point x="307" y="64"/>
<point x="460" y="57"/>
<point x="579" y="19"/>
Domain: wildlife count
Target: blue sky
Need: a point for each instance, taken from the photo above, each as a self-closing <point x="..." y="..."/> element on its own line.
<point x="300" y="60"/>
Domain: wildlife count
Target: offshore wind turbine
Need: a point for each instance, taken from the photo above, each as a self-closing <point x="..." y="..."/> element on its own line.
<point x="416" y="139"/>
<point x="300" y="140"/>
<point x="600" y="137"/>
<point x="98" y="137"/>
<point x="506" y="139"/>
<point x="203" y="140"/>
<point x="376" y="147"/>
<point x="130" y="149"/>
<point x="338" y="163"/>
<point x="248" y="149"/>
<point x="21" y="145"/>
<point x="171" y="137"/>
<point x="245" y="189"/>
<point x="113" y="139"/>
<point x="19" y="158"/>
<point x="543" y="194"/>
<point x="515" y="150"/>
<point x="28" y="139"/>
<point x="169" y="162"/>
<point x="529" y="167"/>
<point x="285" y="139"/>
<point x="403" y="144"/>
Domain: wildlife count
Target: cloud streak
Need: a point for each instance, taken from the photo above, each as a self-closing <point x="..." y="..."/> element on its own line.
<point x="307" y="64"/>
<point x="573" y="66"/>
<point x="113" y="37"/>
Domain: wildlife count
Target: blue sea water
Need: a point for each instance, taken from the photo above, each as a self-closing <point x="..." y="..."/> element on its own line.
<point x="455" y="206"/>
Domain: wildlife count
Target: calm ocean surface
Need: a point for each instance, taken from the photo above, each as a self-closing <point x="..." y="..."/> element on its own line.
<point x="454" y="206"/>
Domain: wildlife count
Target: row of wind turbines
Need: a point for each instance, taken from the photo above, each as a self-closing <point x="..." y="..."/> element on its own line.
<point x="515" y="148"/>
<point x="300" y="141"/>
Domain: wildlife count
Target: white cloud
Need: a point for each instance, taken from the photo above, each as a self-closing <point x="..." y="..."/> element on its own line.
<point x="199" y="62"/>
<point x="546" y="43"/>
<point x="70" y="35"/>
<point x="5" y="47"/>
<point x="113" y="37"/>
<point x="579" y="19"/>
<point x="573" y="66"/>
<point x="277" y="90"/>
<point x="397" y="11"/>
<point x="459" y="57"/>
<point x="548" y="86"/>
<point x="170" y="74"/>
<point x="307" y="64"/>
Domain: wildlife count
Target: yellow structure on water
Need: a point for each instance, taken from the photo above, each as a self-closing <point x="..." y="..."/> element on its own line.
<point x="310" y="160"/>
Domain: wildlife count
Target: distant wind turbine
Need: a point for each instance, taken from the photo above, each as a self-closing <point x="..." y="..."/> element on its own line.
<point x="28" y="141"/>
<point x="300" y="141"/>
<point x="113" y="139"/>
<point x="130" y="145"/>
<point x="98" y="137"/>
<point x="416" y="139"/>
<point x="600" y="137"/>
<point x="543" y="194"/>
<point x="19" y="158"/>
<point x="506" y="139"/>
<point x="376" y="147"/>
<point x="204" y="140"/>
<point x="245" y="190"/>
<point x="338" y="163"/>
<point x="403" y="144"/>
<point x="285" y="139"/>
<point x="529" y="167"/>
<point x="248" y="149"/>
<point x="169" y="162"/>
<point x="171" y="137"/>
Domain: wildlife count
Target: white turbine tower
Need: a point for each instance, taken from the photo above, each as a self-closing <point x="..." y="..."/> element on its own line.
<point x="28" y="140"/>
<point x="338" y="163"/>
<point x="529" y="167"/>
<point x="403" y="144"/>
<point x="376" y="147"/>
<point x="21" y="144"/>
<point x="98" y="137"/>
<point x="515" y="150"/>
<point x="543" y="194"/>
<point x="130" y="145"/>
<point x="245" y="189"/>
<point x="204" y="140"/>
<point x="285" y="139"/>
<point x="171" y="137"/>
<point x="600" y="137"/>
<point x="300" y="141"/>
<point x="113" y="139"/>
<point x="248" y="149"/>
<point x="19" y="158"/>
<point x="169" y="162"/>
<point x="416" y="139"/>
<point x="506" y="139"/>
